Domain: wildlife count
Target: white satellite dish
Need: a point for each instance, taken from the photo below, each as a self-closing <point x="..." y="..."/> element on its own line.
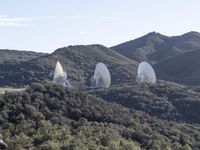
<point x="102" y="76"/>
<point x="60" y="76"/>
<point x="146" y="73"/>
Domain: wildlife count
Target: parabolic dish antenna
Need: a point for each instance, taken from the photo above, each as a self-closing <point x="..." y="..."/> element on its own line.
<point x="60" y="76"/>
<point x="102" y="76"/>
<point x="146" y="73"/>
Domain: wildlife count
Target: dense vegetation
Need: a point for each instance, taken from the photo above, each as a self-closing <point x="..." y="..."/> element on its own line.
<point x="165" y="100"/>
<point x="49" y="117"/>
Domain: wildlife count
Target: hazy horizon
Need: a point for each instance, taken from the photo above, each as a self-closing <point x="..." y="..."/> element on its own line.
<point x="44" y="26"/>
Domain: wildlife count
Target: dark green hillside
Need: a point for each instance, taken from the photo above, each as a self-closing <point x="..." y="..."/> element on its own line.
<point x="14" y="56"/>
<point x="156" y="48"/>
<point x="165" y="100"/>
<point x="184" y="69"/>
<point x="48" y="117"/>
<point x="78" y="61"/>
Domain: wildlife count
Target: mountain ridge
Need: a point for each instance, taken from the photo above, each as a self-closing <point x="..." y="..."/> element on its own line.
<point x="155" y="47"/>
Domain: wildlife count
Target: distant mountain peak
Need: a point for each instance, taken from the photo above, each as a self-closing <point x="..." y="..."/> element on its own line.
<point x="153" y="37"/>
<point x="154" y="33"/>
<point x="191" y="34"/>
<point x="155" y="47"/>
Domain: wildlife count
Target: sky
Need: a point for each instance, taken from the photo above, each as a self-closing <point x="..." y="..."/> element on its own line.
<point x="45" y="25"/>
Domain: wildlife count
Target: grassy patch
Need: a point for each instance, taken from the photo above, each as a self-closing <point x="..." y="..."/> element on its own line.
<point x="3" y="90"/>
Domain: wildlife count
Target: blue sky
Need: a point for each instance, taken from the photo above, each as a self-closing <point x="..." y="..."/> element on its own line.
<point x="45" y="25"/>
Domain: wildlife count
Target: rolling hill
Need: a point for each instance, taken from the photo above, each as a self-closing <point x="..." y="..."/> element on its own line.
<point x="78" y="61"/>
<point x="16" y="56"/>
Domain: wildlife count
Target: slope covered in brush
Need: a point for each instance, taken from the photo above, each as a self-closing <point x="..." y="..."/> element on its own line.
<point x="48" y="117"/>
<point x="184" y="69"/>
<point x="165" y="100"/>
<point x="14" y="56"/>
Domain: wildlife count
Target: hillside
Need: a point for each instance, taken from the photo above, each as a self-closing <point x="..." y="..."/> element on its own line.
<point x="155" y="47"/>
<point x="48" y="117"/>
<point x="14" y="56"/>
<point x="165" y="100"/>
<point x="183" y="69"/>
<point x="78" y="61"/>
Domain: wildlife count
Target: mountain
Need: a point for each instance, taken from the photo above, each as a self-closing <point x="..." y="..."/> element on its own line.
<point x="174" y="58"/>
<point x="78" y="61"/>
<point x="47" y="116"/>
<point x="155" y="47"/>
<point x="184" y="68"/>
<point x="168" y="55"/>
